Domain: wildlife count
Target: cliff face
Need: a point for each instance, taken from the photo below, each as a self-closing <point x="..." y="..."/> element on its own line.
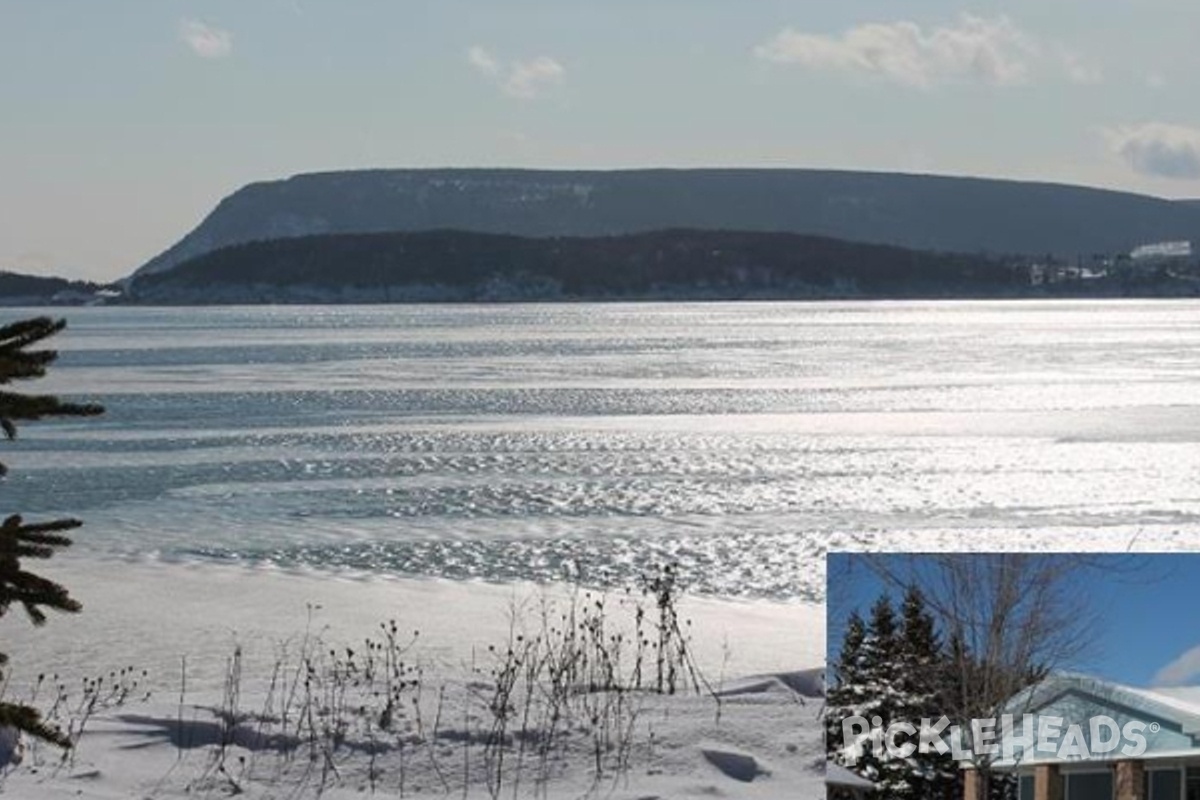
<point x="925" y="212"/>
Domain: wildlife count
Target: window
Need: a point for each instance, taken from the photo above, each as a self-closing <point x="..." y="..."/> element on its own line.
<point x="1193" y="783"/>
<point x="1164" y="784"/>
<point x="1025" y="788"/>
<point x="1089" y="786"/>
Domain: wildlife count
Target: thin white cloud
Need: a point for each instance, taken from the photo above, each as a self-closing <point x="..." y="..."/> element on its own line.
<point x="1156" y="80"/>
<point x="1179" y="672"/>
<point x="525" y="80"/>
<point x="1158" y="149"/>
<point x="482" y="60"/>
<point x="528" y="78"/>
<point x="1080" y="70"/>
<point x="205" y="40"/>
<point x="975" y="49"/>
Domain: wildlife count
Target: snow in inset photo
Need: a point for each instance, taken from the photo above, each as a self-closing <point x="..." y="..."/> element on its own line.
<point x="1013" y="676"/>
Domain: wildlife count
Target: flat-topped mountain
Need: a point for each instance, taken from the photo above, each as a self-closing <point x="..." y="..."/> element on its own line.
<point x="913" y="211"/>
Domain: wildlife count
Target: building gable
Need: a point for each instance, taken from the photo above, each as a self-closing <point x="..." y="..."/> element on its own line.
<point x="1077" y="719"/>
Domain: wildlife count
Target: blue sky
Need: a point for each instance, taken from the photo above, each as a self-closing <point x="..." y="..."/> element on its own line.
<point x="125" y="121"/>
<point x="1150" y="634"/>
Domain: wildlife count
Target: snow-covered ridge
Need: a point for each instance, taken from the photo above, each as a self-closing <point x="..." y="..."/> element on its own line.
<point x="916" y="211"/>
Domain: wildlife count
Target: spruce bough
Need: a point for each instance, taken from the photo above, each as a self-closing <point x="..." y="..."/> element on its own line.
<point x="19" y="539"/>
<point x="893" y="667"/>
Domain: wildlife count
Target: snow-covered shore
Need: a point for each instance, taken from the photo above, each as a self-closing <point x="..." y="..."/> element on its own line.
<point x="182" y="625"/>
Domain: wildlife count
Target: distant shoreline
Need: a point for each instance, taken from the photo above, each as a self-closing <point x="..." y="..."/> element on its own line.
<point x="1157" y="293"/>
<point x="661" y="266"/>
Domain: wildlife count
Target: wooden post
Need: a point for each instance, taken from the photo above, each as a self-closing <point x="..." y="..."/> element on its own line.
<point x="1131" y="780"/>
<point x="1047" y="783"/>
<point x="971" y="784"/>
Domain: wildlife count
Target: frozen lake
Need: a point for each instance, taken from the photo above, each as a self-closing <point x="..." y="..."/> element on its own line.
<point x="529" y="442"/>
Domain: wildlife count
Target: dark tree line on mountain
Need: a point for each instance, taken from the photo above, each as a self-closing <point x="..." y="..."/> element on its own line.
<point x="18" y="285"/>
<point x="723" y="263"/>
<point x="21" y="540"/>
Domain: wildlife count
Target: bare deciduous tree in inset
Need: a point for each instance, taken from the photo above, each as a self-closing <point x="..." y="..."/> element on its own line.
<point x="1008" y="620"/>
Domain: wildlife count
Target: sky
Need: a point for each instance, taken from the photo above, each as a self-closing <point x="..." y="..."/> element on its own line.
<point x="1149" y="634"/>
<point x="124" y="122"/>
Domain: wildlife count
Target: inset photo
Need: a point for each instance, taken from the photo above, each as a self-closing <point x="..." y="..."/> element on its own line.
<point x="1013" y="676"/>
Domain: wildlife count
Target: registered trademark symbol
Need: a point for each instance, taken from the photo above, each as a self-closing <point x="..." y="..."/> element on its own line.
<point x="1154" y="727"/>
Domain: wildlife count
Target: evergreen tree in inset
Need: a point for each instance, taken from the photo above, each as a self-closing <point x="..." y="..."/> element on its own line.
<point x="845" y="692"/>
<point x="884" y="668"/>
<point x="921" y="685"/>
<point x="18" y="539"/>
<point x="865" y="685"/>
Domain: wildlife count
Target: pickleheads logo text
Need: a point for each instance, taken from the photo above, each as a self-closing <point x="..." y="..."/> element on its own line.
<point x="1040" y="736"/>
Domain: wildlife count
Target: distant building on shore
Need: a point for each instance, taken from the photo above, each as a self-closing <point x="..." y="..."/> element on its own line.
<point x="1149" y="258"/>
<point x="1161" y="251"/>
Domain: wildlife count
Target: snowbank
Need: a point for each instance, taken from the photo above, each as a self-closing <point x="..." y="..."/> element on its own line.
<point x="217" y="724"/>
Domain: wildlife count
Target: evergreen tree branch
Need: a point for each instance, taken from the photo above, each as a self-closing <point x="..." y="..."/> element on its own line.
<point x="18" y="539"/>
<point x="29" y="720"/>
